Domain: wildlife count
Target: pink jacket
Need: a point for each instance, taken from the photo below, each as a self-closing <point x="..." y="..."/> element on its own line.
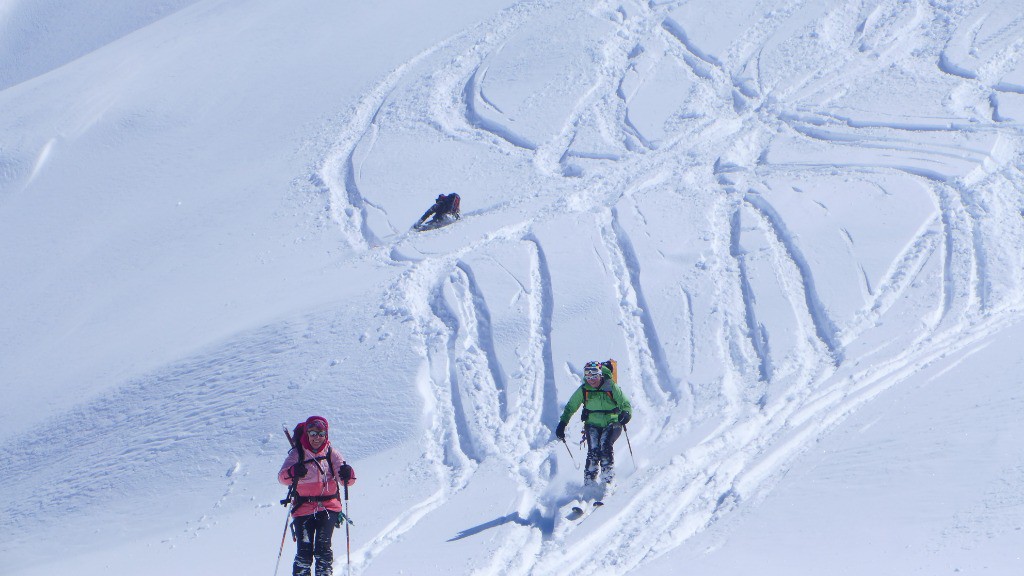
<point x="318" y="480"/>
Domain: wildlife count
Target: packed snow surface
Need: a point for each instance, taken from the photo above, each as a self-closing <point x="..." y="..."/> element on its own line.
<point x="796" y="224"/>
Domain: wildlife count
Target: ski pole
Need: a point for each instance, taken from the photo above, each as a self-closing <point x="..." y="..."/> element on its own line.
<point x="628" y="443"/>
<point x="573" y="458"/>
<point x="283" y="534"/>
<point x="348" y="540"/>
<point x="287" y="500"/>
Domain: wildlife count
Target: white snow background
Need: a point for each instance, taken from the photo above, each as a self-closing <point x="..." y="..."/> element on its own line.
<point x="797" y="224"/>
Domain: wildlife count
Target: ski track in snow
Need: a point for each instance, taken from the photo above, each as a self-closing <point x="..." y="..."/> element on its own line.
<point x="743" y="360"/>
<point x="770" y="404"/>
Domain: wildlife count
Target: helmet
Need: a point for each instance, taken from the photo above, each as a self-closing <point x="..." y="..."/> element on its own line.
<point x="592" y="369"/>
<point x="440" y="197"/>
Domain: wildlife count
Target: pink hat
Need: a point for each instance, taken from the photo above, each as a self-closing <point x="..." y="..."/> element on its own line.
<point x="317" y="422"/>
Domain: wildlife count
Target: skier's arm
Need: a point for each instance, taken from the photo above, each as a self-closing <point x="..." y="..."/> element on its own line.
<point x="284" y="476"/>
<point x="620" y="399"/>
<point x="430" y="211"/>
<point x="573" y="405"/>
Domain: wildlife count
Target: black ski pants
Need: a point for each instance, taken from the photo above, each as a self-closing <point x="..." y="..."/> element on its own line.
<point x="313" y="542"/>
<point x="600" y="455"/>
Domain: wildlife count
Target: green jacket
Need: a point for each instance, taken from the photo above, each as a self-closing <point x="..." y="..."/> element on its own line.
<point x="601" y="403"/>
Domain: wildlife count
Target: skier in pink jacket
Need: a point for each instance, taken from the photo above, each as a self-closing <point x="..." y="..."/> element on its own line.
<point x="315" y="472"/>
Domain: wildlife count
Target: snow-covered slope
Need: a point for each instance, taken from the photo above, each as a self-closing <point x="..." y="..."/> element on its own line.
<point x="38" y="36"/>
<point x="797" y="226"/>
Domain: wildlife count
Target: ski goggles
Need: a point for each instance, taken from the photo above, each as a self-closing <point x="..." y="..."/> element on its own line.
<point x="590" y="374"/>
<point x="317" y="434"/>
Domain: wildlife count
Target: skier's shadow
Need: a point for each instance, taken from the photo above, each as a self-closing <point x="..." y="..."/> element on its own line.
<point x="535" y="519"/>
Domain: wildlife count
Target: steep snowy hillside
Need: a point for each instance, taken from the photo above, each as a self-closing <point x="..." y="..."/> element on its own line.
<point x="41" y="35"/>
<point x="796" y="224"/>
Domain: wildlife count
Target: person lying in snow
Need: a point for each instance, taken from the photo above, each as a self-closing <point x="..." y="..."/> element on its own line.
<point x="444" y="211"/>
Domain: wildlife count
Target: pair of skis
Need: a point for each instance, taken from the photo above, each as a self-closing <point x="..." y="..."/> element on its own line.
<point x="583" y="509"/>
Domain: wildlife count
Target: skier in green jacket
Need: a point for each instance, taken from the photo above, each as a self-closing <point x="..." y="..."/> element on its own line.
<point x="605" y="410"/>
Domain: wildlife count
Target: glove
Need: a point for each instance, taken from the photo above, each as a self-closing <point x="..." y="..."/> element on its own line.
<point x="299" y="470"/>
<point x="560" y="431"/>
<point x="345" y="473"/>
<point x="624" y="417"/>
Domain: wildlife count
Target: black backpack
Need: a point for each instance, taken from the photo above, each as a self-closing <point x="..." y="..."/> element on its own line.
<point x="449" y="204"/>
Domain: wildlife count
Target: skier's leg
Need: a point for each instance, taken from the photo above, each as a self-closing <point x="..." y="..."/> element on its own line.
<point x="442" y="219"/>
<point x="608" y="438"/>
<point x="593" y="435"/>
<point x="322" y="552"/>
<point x="304" y="530"/>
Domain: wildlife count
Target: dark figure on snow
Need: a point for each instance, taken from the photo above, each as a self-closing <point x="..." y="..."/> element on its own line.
<point x="444" y="211"/>
<point x="605" y="410"/>
<point x="315" y="472"/>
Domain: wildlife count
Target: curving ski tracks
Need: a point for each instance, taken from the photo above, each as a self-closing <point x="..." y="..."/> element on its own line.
<point x="753" y="344"/>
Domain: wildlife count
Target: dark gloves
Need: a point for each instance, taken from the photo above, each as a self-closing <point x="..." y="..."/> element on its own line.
<point x="345" y="473"/>
<point x="560" y="431"/>
<point x="624" y="417"/>
<point x="299" y="470"/>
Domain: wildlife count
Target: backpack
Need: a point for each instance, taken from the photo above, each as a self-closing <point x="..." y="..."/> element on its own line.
<point x="614" y="367"/>
<point x="453" y="203"/>
<point x="296" y="439"/>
